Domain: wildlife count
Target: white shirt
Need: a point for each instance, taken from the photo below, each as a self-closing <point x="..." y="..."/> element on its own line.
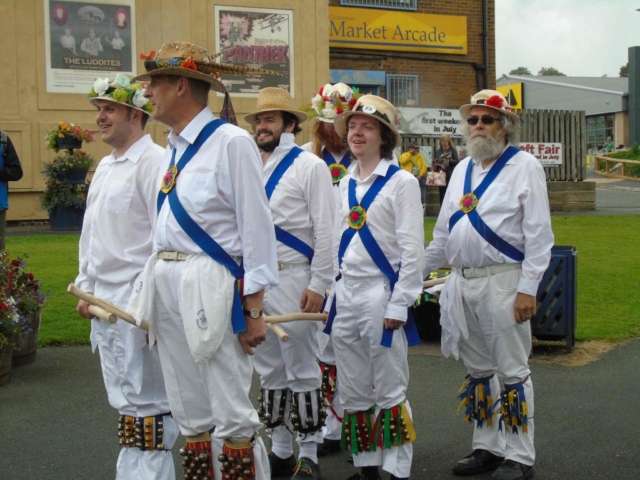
<point x="515" y="207"/>
<point x="396" y="222"/>
<point x="222" y="190"/>
<point x="117" y="43"/>
<point x="116" y="238"/>
<point x="303" y="205"/>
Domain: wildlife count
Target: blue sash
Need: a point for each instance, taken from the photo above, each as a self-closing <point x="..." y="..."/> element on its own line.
<point x="376" y="253"/>
<point x="330" y="160"/>
<point x="197" y="234"/>
<point x="474" y="217"/>
<point x="283" y="236"/>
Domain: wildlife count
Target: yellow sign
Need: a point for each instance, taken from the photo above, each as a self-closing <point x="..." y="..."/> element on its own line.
<point x="376" y="29"/>
<point x="514" y="94"/>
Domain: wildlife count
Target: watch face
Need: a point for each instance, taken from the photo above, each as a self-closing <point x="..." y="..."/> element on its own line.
<point x="255" y="313"/>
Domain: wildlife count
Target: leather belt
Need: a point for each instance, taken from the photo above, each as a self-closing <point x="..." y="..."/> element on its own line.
<point x="480" y="272"/>
<point x="173" y="256"/>
<point x="291" y="266"/>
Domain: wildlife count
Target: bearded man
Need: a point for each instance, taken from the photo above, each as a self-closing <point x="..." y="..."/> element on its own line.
<point x="298" y="187"/>
<point x="494" y="229"/>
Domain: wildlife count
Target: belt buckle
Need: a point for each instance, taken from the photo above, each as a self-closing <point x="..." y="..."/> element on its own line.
<point x="171" y="256"/>
<point x="280" y="266"/>
<point x="467" y="272"/>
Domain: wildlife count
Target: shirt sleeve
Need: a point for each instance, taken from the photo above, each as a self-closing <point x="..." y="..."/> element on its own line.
<point x="320" y="198"/>
<point x="339" y="225"/>
<point x="253" y="215"/>
<point x="536" y="227"/>
<point x="410" y="236"/>
<point x="11" y="171"/>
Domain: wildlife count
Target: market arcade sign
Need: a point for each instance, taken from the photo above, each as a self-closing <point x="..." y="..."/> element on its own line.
<point x="368" y="28"/>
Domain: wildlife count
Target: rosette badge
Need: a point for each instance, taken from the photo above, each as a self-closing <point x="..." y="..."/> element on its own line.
<point x="121" y="90"/>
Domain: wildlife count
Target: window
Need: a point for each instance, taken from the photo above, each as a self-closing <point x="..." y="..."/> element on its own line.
<point x="388" y="4"/>
<point x="600" y="127"/>
<point x="402" y="90"/>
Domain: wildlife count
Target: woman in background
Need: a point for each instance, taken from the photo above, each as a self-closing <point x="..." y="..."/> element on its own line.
<point x="445" y="160"/>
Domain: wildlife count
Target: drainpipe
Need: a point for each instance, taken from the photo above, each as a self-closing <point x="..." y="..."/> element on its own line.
<point x="485" y="42"/>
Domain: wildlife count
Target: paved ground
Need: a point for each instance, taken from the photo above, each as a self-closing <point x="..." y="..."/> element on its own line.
<point x="55" y="423"/>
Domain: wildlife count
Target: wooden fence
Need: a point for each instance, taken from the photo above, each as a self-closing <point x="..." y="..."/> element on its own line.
<point x="550" y="126"/>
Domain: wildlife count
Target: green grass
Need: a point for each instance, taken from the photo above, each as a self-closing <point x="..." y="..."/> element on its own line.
<point x="54" y="260"/>
<point x="608" y="278"/>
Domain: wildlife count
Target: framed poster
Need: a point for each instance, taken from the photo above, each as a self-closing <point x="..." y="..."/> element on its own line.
<point x="87" y="40"/>
<point x="258" y="38"/>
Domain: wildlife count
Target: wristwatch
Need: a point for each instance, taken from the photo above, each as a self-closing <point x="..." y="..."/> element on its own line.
<point x="253" y="313"/>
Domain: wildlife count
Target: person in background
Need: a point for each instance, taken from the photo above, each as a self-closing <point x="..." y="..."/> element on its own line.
<point x="413" y="162"/>
<point x="609" y="146"/>
<point x="10" y="171"/>
<point x="445" y="160"/>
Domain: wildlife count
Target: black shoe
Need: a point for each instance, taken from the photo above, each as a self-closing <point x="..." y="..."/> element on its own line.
<point x="512" y="470"/>
<point x="328" y="447"/>
<point x="479" y="461"/>
<point x="393" y="477"/>
<point x="281" y="467"/>
<point x="306" y="468"/>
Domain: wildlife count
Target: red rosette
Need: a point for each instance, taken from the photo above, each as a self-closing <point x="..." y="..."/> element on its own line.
<point x="494" y="101"/>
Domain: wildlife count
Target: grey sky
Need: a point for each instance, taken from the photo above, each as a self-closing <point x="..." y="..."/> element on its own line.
<point x="581" y="38"/>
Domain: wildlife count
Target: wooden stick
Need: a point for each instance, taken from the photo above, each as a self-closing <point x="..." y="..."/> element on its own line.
<point x="277" y="329"/>
<point x="106" y="305"/>
<point x="294" y="317"/>
<point x="437" y="281"/>
<point x="102" y="314"/>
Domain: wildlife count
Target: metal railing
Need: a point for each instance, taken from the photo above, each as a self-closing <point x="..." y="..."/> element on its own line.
<point x="388" y="4"/>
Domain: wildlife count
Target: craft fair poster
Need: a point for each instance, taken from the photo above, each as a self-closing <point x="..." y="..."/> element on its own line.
<point x="258" y="38"/>
<point x="85" y="41"/>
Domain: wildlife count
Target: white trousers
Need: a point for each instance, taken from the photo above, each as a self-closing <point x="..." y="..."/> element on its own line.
<point x="291" y="364"/>
<point x="215" y="393"/>
<point x="135" y="386"/>
<point x="332" y="429"/>
<point x="497" y="344"/>
<point x="370" y="374"/>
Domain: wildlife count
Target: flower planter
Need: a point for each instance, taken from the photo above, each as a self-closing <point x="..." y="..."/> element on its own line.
<point x="75" y="176"/>
<point x="65" y="219"/>
<point x="68" y="142"/>
<point x="6" y="353"/>
<point x="25" y="343"/>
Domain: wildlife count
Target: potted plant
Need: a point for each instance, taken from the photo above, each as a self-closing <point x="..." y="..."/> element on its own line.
<point x="9" y="323"/>
<point x="67" y="136"/>
<point x="24" y="293"/>
<point x="72" y="167"/>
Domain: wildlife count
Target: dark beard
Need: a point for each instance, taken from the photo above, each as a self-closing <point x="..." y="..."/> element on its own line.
<point x="330" y="139"/>
<point x="271" y="145"/>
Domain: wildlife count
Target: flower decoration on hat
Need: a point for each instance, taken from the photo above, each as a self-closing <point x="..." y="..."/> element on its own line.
<point x="121" y="90"/>
<point x="331" y="101"/>
<point x="498" y="102"/>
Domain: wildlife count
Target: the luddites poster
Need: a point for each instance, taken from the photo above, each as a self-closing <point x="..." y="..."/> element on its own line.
<point x="87" y="40"/>
<point x="258" y="38"/>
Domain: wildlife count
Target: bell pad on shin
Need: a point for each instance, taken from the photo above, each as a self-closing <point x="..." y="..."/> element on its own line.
<point x="197" y="461"/>
<point x="145" y="433"/>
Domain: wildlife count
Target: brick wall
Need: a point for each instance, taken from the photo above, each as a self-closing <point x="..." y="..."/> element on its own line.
<point x="441" y="84"/>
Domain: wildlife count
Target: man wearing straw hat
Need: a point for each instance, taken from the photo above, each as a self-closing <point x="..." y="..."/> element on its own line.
<point x="115" y="243"/>
<point x="494" y="229"/>
<point x="214" y="242"/>
<point x="379" y="237"/>
<point x="330" y="101"/>
<point x="298" y="187"/>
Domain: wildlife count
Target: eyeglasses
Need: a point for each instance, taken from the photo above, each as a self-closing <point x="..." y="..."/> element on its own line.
<point x="485" y="119"/>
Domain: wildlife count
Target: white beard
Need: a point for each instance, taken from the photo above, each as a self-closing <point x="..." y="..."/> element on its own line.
<point x="484" y="146"/>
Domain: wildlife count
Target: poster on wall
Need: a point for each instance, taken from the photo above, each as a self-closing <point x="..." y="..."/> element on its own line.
<point x="258" y="38"/>
<point x="87" y="40"/>
<point x="432" y="122"/>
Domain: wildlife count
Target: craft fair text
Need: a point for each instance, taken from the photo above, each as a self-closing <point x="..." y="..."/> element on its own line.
<point x="380" y="33"/>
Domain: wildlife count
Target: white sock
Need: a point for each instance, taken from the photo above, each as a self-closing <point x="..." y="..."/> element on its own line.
<point x="282" y="442"/>
<point x="309" y="450"/>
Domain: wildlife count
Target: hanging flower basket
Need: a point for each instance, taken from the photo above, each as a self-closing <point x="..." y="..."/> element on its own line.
<point x="66" y="219"/>
<point x="68" y="142"/>
<point x="75" y="176"/>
